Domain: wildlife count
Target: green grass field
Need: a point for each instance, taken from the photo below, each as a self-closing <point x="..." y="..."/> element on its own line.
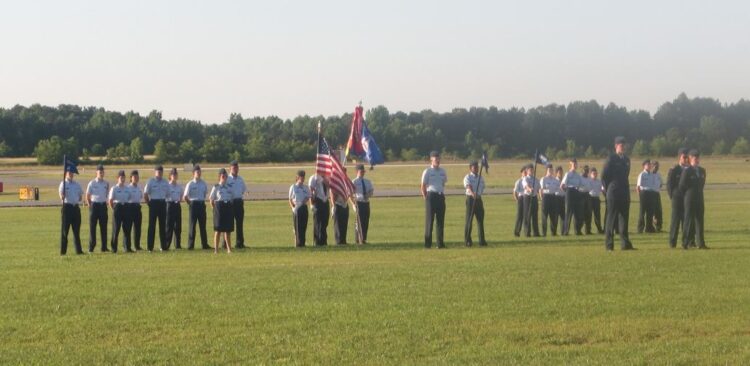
<point x="518" y="301"/>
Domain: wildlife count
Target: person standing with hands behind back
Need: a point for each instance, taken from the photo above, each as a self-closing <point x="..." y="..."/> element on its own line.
<point x="615" y="181"/>
<point x="71" y="196"/>
<point x="692" y="182"/>
<point x="433" y="193"/>
<point x="221" y="202"/>
<point x="299" y="197"/>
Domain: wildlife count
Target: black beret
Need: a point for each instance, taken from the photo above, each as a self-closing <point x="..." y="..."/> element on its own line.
<point x="573" y="160"/>
<point x="196" y="168"/>
<point x="234" y="163"/>
<point x="647" y="161"/>
<point x="360" y="167"/>
<point x="134" y="173"/>
<point x="593" y="170"/>
<point x="99" y="167"/>
<point x="222" y="171"/>
<point x="300" y="173"/>
<point x="694" y="152"/>
<point x="473" y="163"/>
<point x="121" y="173"/>
<point x="682" y="151"/>
<point x="159" y="168"/>
<point x="434" y="154"/>
<point x="620" y="140"/>
<point x="173" y="171"/>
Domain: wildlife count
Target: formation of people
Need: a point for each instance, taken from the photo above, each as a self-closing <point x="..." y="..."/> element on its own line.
<point x="569" y="201"/>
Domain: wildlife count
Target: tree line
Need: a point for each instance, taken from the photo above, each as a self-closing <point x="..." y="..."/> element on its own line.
<point x="581" y="128"/>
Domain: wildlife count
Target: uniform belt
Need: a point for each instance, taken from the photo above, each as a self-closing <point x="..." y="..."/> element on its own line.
<point x="437" y="193"/>
<point x="197" y="201"/>
<point x="237" y="199"/>
<point x="158" y="199"/>
<point x="99" y="203"/>
<point x="70" y="204"/>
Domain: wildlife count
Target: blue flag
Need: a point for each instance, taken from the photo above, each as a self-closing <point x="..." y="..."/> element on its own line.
<point x="372" y="152"/>
<point x="70" y="165"/>
<point x="542" y="159"/>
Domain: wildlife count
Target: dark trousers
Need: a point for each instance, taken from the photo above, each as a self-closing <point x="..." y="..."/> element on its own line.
<point x="658" y="213"/>
<point x="134" y="223"/>
<point x="197" y="213"/>
<point x="618" y="211"/>
<point x="321" y="211"/>
<point x="71" y="217"/>
<point x="434" y="210"/>
<point x="573" y="210"/>
<point x="238" y="211"/>
<point x="474" y="207"/>
<point x="299" y="220"/>
<point x="340" y="223"/>
<point x="363" y="211"/>
<point x="157" y="210"/>
<point x="560" y="211"/>
<point x="519" y="216"/>
<point x="586" y="212"/>
<point x="174" y="224"/>
<point x="647" y="211"/>
<point x="678" y="215"/>
<point x="119" y="213"/>
<point x="549" y="213"/>
<point x="98" y="215"/>
<point x="596" y="212"/>
<point x="693" y="224"/>
<point x="531" y="215"/>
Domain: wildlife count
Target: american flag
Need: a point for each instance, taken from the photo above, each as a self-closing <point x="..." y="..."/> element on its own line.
<point x="329" y="165"/>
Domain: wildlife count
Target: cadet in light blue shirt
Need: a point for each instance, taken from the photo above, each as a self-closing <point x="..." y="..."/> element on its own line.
<point x="221" y="202"/>
<point x="71" y="194"/>
<point x="238" y="187"/>
<point x="299" y="197"/>
<point x="433" y="192"/>
<point x="474" y="185"/>
<point x="118" y="200"/>
<point x="195" y="196"/>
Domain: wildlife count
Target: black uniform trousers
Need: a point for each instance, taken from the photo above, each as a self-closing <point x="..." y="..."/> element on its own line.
<point x="174" y="224"/>
<point x="157" y="210"/>
<point x="596" y="212"/>
<point x="434" y="210"/>
<point x="340" y="223"/>
<point x="560" y="211"/>
<point x="549" y="213"/>
<point x="587" y="211"/>
<point x="363" y="211"/>
<point x="238" y="211"/>
<point x="321" y="211"/>
<point x="134" y="222"/>
<point x="299" y="220"/>
<point x="71" y="217"/>
<point x="98" y="214"/>
<point x="474" y="207"/>
<point x="678" y="216"/>
<point x="519" y="216"/>
<point x="531" y="215"/>
<point x="618" y="212"/>
<point x="693" y="223"/>
<point x="647" y="211"/>
<point x="573" y="210"/>
<point x="119" y="213"/>
<point x="658" y="212"/>
<point x="197" y="213"/>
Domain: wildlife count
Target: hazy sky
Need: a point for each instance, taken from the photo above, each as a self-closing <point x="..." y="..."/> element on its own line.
<point x="206" y="59"/>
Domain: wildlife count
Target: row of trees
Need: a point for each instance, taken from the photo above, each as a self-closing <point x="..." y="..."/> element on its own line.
<point x="579" y="128"/>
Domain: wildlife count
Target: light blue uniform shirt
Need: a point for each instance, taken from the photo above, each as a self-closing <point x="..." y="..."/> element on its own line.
<point x="196" y="190"/>
<point x="73" y="192"/>
<point x="156" y="189"/>
<point x="435" y="179"/>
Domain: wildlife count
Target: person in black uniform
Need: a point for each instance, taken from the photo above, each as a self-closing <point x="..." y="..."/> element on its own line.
<point x="615" y="181"/>
<point x="195" y="196"/>
<point x="692" y="182"/>
<point x="433" y="193"/>
<point x="118" y="200"/>
<point x="678" y="203"/>
<point x="71" y="194"/>
<point x="155" y="194"/>
<point x="96" y="198"/>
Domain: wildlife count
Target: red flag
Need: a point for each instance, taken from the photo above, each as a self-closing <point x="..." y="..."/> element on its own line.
<point x="354" y="145"/>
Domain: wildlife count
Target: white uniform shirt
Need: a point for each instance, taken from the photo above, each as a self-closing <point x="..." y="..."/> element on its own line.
<point x="221" y="192"/>
<point x="119" y="194"/>
<point x="527" y="183"/>
<point x="362" y="194"/>
<point x="174" y="192"/>
<point x="470" y="181"/>
<point x="435" y="179"/>
<point x="572" y="180"/>
<point x="156" y="189"/>
<point x="550" y="185"/>
<point x="98" y="189"/>
<point x="237" y="185"/>
<point x="196" y="190"/>
<point x="135" y="194"/>
<point x="648" y="181"/>
<point x="518" y="187"/>
<point x="316" y="182"/>
<point x="73" y="192"/>
<point x="299" y="194"/>
<point x="595" y="187"/>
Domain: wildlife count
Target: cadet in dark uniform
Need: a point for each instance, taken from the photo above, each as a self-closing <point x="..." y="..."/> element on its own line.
<point x="96" y="199"/>
<point x="474" y="185"/>
<point x="433" y="193"/>
<point x="155" y="194"/>
<point x="678" y="203"/>
<point x="135" y="217"/>
<point x="615" y="181"/>
<point x="195" y="196"/>
<point x="363" y="191"/>
<point x="71" y="194"/>
<point x="174" y="210"/>
<point x="572" y="184"/>
<point x="118" y="200"/>
<point x="299" y="197"/>
<point x="340" y="216"/>
<point x="692" y="182"/>
<point x="221" y="202"/>
<point x="320" y="207"/>
<point x="518" y="197"/>
<point x="530" y="202"/>
<point x="550" y="185"/>
<point x="237" y="184"/>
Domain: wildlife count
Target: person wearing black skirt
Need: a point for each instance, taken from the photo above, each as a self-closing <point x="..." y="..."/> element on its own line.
<point x="221" y="202"/>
